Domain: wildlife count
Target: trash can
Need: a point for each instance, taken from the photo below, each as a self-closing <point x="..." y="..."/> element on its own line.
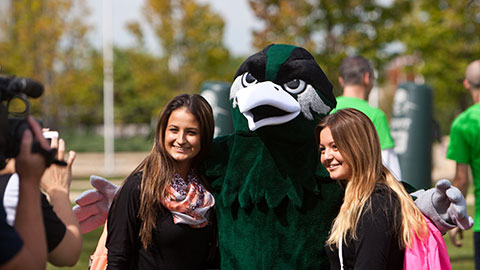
<point x="411" y="128"/>
<point x="217" y="94"/>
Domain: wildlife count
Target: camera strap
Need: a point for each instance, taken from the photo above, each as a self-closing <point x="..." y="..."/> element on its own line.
<point x="49" y="155"/>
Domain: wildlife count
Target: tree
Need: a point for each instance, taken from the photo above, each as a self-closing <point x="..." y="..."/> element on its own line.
<point x="329" y="29"/>
<point x="444" y="34"/>
<point x="191" y="36"/>
<point x="441" y="32"/>
<point x="141" y="85"/>
<point x="46" y="40"/>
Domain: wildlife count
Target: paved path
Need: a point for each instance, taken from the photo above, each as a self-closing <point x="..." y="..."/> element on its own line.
<point x="87" y="164"/>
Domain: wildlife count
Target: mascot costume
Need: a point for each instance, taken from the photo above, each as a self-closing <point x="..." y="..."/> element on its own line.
<point x="275" y="201"/>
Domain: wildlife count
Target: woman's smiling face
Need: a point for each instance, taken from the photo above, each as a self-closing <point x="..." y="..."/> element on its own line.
<point x="331" y="157"/>
<point x="182" y="136"/>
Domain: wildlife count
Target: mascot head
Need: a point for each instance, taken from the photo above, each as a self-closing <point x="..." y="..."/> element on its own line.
<point x="282" y="84"/>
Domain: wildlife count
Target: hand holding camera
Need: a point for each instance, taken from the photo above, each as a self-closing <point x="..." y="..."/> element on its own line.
<point x="57" y="179"/>
<point x="31" y="165"/>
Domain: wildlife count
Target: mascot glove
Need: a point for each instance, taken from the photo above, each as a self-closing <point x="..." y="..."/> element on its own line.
<point x="445" y="206"/>
<point x="93" y="204"/>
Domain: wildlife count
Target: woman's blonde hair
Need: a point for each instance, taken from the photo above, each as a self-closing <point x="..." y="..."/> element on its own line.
<point x="357" y="141"/>
<point x="158" y="168"/>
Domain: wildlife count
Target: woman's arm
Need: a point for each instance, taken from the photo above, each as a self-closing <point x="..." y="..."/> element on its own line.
<point x="56" y="183"/>
<point x="124" y="226"/>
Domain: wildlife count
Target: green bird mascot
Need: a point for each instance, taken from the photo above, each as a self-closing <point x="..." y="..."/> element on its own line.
<point x="275" y="202"/>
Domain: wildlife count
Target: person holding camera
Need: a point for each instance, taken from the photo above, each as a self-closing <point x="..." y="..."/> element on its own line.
<point x="64" y="240"/>
<point x="23" y="246"/>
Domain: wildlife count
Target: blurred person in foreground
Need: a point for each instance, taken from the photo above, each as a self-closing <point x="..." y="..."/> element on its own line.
<point x="64" y="240"/>
<point x="23" y="246"/>
<point x="464" y="149"/>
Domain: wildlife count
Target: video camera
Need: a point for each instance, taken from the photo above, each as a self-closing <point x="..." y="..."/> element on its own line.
<point x="14" y="109"/>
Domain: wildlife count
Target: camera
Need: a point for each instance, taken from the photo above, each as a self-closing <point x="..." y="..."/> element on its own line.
<point x="14" y="109"/>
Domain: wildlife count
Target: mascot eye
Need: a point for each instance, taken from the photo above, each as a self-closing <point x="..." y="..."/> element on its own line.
<point x="295" y="86"/>
<point x="248" y="79"/>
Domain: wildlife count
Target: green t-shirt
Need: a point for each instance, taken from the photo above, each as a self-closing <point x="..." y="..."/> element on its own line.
<point x="375" y="114"/>
<point x="464" y="148"/>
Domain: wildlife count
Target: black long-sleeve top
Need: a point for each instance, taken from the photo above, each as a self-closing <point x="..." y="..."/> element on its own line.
<point x="377" y="244"/>
<point x="175" y="246"/>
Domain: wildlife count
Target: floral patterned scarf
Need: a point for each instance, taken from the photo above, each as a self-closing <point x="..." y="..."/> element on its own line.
<point x="188" y="201"/>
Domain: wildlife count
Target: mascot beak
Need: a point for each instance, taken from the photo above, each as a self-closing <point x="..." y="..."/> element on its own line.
<point x="265" y="104"/>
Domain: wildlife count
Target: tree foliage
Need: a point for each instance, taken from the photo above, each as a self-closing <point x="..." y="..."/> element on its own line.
<point x="191" y="37"/>
<point x="46" y="40"/>
<point x="141" y="85"/>
<point x="329" y="29"/>
<point x="441" y="32"/>
<point x="445" y="35"/>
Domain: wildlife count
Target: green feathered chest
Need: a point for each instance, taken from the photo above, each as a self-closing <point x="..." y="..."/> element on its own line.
<point x="268" y="213"/>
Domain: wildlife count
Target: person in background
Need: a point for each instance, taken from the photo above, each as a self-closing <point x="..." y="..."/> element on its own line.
<point x="64" y="240"/>
<point x="378" y="219"/>
<point x="24" y="245"/>
<point x="464" y="149"/>
<point x="162" y="218"/>
<point x="357" y="80"/>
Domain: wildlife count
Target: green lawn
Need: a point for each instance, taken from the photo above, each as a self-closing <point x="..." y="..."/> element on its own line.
<point x="89" y="244"/>
<point x="462" y="257"/>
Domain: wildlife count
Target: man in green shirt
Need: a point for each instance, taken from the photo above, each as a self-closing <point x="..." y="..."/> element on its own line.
<point x="357" y="78"/>
<point x="464" y="148"/>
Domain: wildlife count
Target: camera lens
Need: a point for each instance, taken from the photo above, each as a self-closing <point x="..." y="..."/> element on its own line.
<point x="18" y="107"/>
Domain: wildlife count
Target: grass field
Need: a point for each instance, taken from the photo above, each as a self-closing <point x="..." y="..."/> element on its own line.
<point x="89" y="244"/>
<point x="462" y="257"/>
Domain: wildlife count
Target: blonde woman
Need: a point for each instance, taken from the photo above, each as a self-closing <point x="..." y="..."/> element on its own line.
<point x="378" y="218"/>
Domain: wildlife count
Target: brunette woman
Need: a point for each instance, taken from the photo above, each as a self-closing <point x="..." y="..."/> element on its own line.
<point x="162" y="216"/>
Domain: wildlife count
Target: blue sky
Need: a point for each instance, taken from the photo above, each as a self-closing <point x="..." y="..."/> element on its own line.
<point x="239" y="22"/>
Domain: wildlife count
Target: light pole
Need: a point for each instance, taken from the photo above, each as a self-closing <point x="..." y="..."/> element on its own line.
<point x="108" y="126"/>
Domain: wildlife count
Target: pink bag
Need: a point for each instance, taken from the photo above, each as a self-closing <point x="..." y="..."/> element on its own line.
<point x="429" y="254"/>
